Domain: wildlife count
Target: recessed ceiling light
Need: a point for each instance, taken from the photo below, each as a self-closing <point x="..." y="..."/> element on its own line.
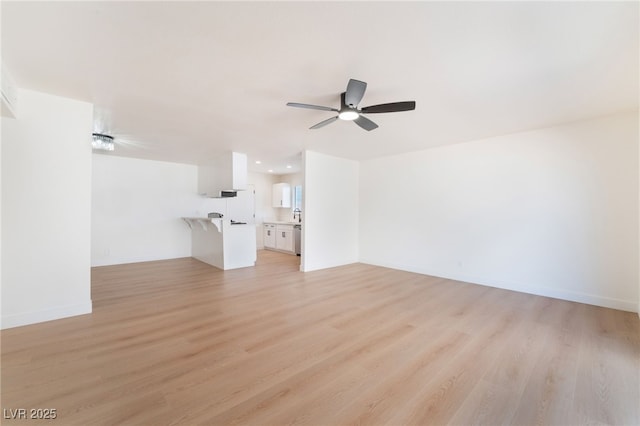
<point x="288" y="166"/>
<point x="270" y="171"/>
<point x="258" y="162"/>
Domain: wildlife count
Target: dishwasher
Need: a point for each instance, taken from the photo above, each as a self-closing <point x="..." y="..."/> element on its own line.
<point x="297" y="237"/>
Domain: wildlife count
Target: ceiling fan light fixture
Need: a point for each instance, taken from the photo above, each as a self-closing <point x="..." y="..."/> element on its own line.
<point x="348" y="114"/>
<point x="102" y="142"/>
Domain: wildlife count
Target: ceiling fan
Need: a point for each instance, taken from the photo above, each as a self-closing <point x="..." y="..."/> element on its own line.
<point x="349" y="110"/>
<point x="103" y="137"/>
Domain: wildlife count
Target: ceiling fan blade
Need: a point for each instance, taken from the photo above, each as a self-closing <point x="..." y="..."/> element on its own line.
<point x="365" y="123"/>
<point x="322" y="108"/>
<point x="324" y="123"/>
<point x="355" y="92"/>
<point x="392" y="107"/>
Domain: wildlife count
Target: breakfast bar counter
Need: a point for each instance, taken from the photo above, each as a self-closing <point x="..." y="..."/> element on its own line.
<point x="222" y="243"/>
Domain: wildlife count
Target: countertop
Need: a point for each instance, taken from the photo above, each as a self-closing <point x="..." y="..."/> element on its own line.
<point x="218" y="222"/>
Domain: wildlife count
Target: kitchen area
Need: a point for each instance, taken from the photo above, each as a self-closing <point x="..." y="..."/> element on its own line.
<point x="139" y="209"/>
<point x="242" y="212"/>
<point x="285" y="235"/>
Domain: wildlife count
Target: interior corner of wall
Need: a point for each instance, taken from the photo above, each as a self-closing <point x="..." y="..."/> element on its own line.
<point x="34" y="317"/>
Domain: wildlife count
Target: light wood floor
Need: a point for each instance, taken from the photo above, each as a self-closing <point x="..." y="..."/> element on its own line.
<point x="180" y="342"/>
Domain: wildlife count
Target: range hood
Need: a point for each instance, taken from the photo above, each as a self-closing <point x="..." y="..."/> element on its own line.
<point x="223" y="176"/>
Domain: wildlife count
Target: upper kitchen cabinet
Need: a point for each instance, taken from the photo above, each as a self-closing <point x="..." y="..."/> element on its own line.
<point x="227" y="173"/>
<point x="281" y="194"/>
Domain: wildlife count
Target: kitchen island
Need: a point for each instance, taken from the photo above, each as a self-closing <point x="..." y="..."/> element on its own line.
<point x="222" y="243"/>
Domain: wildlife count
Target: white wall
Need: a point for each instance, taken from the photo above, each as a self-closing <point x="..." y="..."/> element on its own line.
<point x="46" y="210"/>
<point x="1" y="227"/>
<point x="137" y="208"/>
<point x="330" y="231"/>
<point x="551" y="211"/>
<point x="262" y="184"/>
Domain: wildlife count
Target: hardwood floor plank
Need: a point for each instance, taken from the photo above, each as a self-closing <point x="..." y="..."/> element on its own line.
<point x="439" y="399"/>
<point x="547" y="398"/>
<point x="404" y="380"/>
<point x="495" y="399"/>
<point x="179" y="342"/>
<point x="604" y="390"/>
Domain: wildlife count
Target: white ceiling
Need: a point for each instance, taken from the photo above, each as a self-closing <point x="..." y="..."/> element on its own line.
<point x="185" y="81"/>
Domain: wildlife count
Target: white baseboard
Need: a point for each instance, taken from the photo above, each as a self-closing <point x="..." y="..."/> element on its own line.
<point x="572" y="296"/>
<point x="317" y="267"/>
<point x="59" y="312"/>
<point x="116" y="260"/>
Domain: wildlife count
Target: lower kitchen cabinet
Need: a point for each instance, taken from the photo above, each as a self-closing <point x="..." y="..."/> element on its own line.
<point x="279" y="237"/>
<point x="269" y="235"/>
<point x="284" y="238"/>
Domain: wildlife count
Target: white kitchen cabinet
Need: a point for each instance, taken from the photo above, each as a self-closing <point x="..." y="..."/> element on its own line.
<point x="279" y="236"/>
<point x="269" y="235"/>
<point x="284" y="238"/>
<point x="281" y="194"/>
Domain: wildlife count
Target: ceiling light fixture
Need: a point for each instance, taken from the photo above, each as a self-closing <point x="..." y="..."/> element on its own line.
<point x="288" y="166"/>
<point x="102" y="142"/>
<point x="348" y="114"/>
<point x="258" y="162"/>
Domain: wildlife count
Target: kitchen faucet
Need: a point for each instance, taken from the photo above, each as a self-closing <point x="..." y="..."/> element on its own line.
<point x="299" y="212"/>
